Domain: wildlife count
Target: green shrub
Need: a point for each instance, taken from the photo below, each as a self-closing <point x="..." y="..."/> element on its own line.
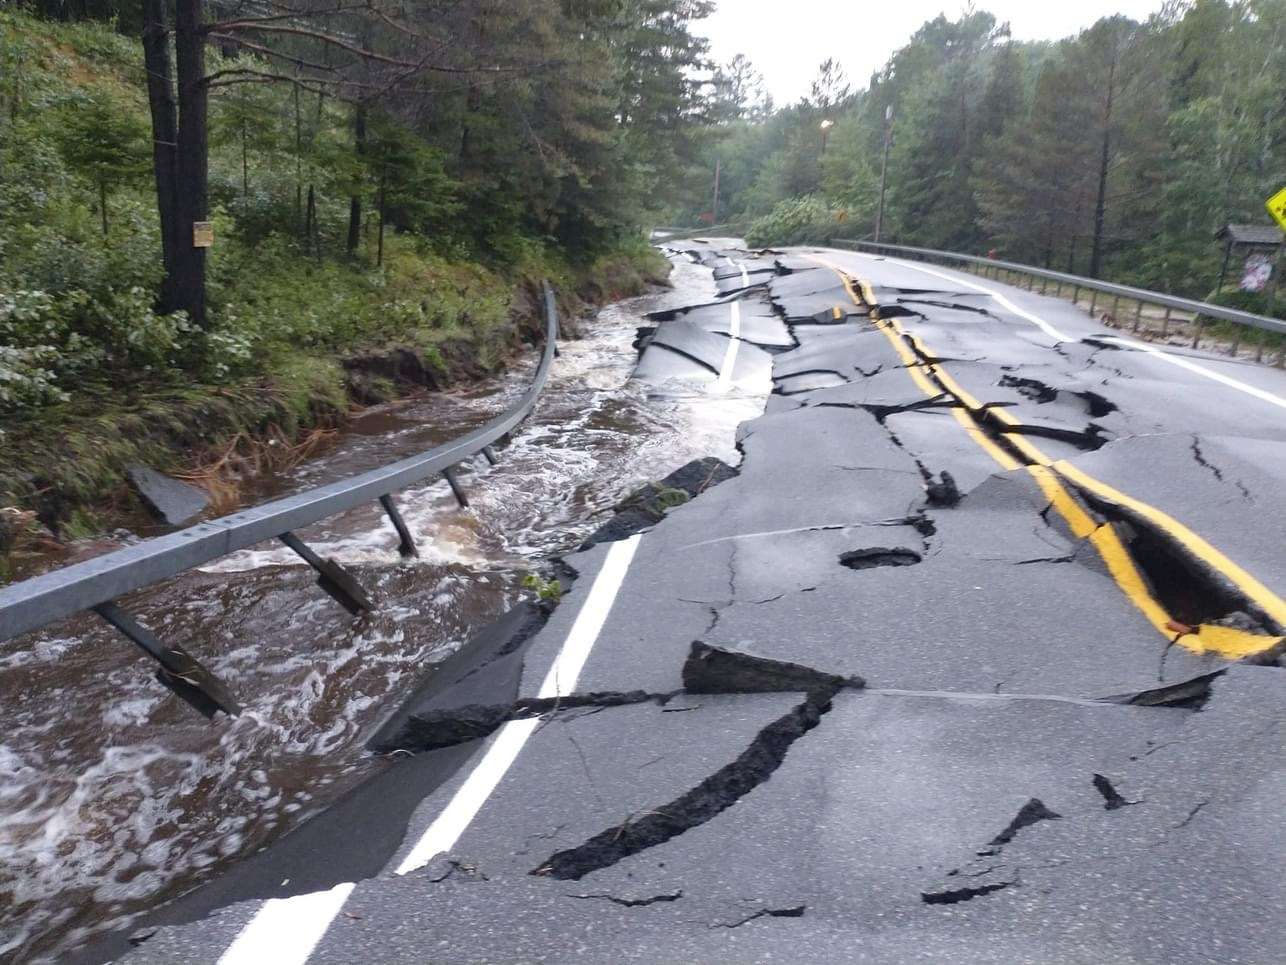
<point x="797" y="221"/>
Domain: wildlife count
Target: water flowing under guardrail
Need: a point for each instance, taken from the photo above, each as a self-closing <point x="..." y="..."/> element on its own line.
<point x="98" y="583"/>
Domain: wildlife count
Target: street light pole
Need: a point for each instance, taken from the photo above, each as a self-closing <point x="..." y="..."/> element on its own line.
<point x="714" y="213"/>
<point x="884" y="169"/>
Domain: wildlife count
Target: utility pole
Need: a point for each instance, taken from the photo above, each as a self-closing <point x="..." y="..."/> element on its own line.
<point x="714" y="212"/>
<point x="884" y="169"/>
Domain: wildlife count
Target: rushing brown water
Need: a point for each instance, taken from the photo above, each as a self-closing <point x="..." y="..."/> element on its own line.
<point x="115" y="796"/>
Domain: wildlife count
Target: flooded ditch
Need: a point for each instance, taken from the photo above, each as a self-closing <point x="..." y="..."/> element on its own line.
<point x="115" y="796"/>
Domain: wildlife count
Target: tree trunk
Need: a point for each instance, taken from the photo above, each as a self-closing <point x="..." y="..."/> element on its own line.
<point x="193" y="157"/>
<point x="160" y="98"/>
<point x="313" y="230"/>
<point x="355" y="202"/>
<point x="1100" y="204"/>
<point x="299" y="163"/>
<point x="245" y="162"/>
<point x="379" y="256"/>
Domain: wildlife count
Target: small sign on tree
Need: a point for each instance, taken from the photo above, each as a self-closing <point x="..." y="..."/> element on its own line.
<point x="202" y="234"/>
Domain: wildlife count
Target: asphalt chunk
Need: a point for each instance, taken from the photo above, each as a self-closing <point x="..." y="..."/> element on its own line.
<point x="721" y="670"/>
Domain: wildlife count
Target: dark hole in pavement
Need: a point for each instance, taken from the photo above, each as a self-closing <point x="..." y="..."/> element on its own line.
<point x="1188" y="594"/>
<point x="1033" y="812"/>
<point x="956" y="895"/>
<point x="1097" y="405"/>
<point x="869" y="559"/>
<point x="1112" y="799"/>
<point x="898" y="311"/>
<point x="1036" y="391"/>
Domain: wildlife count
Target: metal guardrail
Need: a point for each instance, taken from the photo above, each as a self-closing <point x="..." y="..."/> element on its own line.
<point x="97" y="583"/>
<point x="1141" y="296"/>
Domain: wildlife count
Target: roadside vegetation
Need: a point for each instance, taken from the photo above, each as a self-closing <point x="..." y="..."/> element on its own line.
<point x="1117" y="153"/>
<point x="350" y="225"/>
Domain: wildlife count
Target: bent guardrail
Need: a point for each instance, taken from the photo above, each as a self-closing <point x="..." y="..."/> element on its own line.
<point x="1140" y="296"/>
<point x="97" y="583"/>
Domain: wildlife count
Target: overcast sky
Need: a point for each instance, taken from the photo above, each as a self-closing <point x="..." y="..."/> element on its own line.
<point x="787" y="39"/>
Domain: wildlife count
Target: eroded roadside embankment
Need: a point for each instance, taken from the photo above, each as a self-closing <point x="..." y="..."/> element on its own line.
<point x="63" y="473"/>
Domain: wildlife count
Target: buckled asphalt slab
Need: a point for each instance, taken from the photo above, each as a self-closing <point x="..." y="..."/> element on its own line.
<point x="981" y="800"/>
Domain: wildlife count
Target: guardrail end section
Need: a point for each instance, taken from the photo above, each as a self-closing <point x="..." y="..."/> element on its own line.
<point x="178" y="670"/>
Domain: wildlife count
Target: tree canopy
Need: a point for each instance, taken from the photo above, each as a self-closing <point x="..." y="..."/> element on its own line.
<point x="1117" y="153"/>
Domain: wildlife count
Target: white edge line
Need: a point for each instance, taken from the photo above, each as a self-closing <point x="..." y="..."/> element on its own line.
<point x="1179" y="361"/>
<point x="730" y="354"/>
<point x="1184" y="363"/>
<point x="447" y="827"/>
<point x="284" y="931"/>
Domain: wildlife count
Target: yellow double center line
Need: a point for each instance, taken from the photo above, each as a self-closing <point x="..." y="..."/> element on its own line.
<point x="932" y="379"/>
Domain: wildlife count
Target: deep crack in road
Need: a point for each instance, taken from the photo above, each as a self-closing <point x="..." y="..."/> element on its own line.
<point x="771" y="728"/>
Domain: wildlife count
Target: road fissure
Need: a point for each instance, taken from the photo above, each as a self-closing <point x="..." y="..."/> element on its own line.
<point x="1000" y="434"/>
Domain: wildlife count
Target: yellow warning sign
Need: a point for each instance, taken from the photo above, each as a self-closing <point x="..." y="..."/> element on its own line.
<point x="1277" y="207"/>
<point x="202" y="234"/>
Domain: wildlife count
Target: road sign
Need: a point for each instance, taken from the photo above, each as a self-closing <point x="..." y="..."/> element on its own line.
<point x="202" y="234"/>
<point x="1277" y="207"/>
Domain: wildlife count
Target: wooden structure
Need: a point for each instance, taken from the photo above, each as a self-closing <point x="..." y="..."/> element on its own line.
<point x="1247" y="240"/>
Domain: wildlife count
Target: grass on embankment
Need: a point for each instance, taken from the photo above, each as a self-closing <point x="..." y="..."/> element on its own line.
<point x="62" y="467"/>
<point x="92" y="381"/>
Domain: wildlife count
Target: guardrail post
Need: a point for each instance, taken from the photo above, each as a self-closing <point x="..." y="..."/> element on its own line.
<point x="1165" y="323"/>
<point x="407" y="545"/>
<point x="1236" y="342"/>
<point x="1200" y="322"/>
<point x="1138" y="315"/>
<point x="1044" y="284"/>
<point x="490" y="454"/>
<point x="454" y="483"/>
<point x="178" y="670"/>
<point x="1076" y="295"/>
<point x="1259" y="346"/>
<point x="338" y="583"/>
<point x="1093" y="300"/>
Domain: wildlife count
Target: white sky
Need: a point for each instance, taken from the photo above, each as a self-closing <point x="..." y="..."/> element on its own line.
<point x="787" y="39"/>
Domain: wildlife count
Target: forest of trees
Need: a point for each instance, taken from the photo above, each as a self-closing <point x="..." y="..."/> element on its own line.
<point x="379" y="170"/>
<point x="382" y="179"/>
<point x="338" y="147"/>
<point x="1117" y="153"/>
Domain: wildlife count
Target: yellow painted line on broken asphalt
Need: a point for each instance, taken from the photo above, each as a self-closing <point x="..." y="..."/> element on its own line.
<point x="931" y="378"/>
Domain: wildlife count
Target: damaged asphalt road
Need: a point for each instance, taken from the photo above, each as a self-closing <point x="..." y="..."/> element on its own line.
<point x="977" y="657"/>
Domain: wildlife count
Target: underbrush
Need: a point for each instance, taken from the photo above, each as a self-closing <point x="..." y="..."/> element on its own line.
<point x="94" y="380"/>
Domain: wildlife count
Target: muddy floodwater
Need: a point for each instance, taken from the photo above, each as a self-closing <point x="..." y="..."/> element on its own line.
<point x="115" y="796"/>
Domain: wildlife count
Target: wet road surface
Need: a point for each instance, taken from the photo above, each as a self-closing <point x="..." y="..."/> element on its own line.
<point x="116" y="797"/>
<point x="978" y="659"/>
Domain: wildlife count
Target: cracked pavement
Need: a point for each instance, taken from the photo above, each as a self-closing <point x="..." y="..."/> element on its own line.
<point x="977" y="658"/>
